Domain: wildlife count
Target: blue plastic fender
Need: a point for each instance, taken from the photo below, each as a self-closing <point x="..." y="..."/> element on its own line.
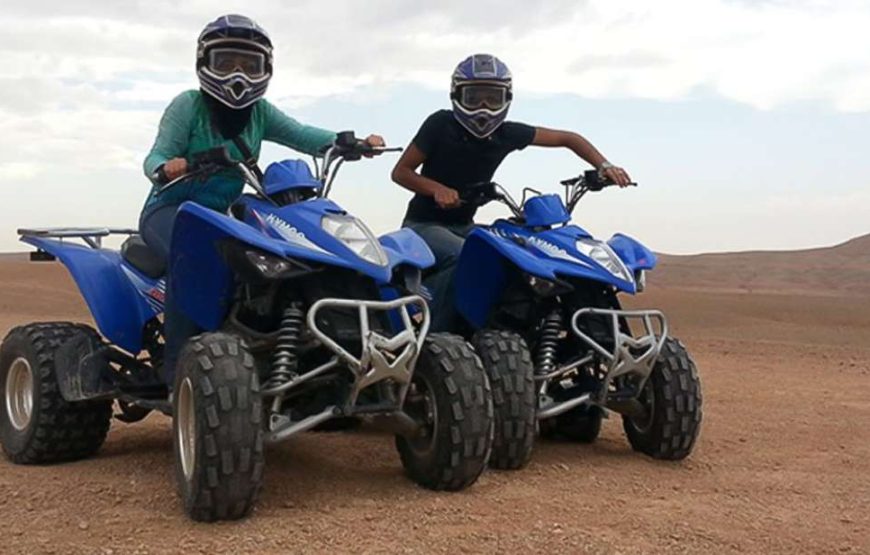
<point x="634" y="254"/>
<point x="120" y="299"/>
<point x="406" y="247"/>
<point x="482" y="269"/>
<point x="203" y="283"/>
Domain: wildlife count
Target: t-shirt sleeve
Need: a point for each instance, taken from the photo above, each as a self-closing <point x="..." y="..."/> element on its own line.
<point x="428" y="135"/>
<point x="519" y="135"/>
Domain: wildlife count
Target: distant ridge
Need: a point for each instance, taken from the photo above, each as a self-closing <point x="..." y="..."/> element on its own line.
<point x="841" y="269"/>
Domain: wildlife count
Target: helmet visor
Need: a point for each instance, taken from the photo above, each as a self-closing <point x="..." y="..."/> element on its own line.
<point x="474" y="97"/>
<point x="226" y="61"/>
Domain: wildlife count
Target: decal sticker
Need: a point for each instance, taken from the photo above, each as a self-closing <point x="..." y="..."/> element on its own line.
<point x="287" y="232"/>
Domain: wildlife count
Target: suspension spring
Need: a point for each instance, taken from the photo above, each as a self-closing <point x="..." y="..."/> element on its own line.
<point x="551" y="329"/>
<point x="286" y="360"/>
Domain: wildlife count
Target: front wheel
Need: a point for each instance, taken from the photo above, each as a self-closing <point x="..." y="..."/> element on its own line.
<point x="217" y="428"/>
<point x="508" y="364"/>
<point x="670" y="423"/>
<point x="450" y="396"/>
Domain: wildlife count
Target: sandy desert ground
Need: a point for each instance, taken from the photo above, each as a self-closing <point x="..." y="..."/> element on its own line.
<point x="782" y="465"/>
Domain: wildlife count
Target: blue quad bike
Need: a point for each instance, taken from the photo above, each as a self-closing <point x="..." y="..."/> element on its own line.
<point x="308" y="319"/>
<point x="539" y="301"/>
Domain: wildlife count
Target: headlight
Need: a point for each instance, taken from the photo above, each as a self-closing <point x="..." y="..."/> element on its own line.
<point x="268" y="265"/>
<point x="356" y="236"/>
<point x="604" y="256"/>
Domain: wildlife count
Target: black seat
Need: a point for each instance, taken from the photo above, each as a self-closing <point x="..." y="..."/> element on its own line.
<point x="140" y="256"/>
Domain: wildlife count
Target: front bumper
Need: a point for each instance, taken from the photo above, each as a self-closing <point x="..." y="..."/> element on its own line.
<point x="381" y="358"/>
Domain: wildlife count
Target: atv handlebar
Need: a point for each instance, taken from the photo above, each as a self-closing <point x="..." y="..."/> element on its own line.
<point x="346" y="148"/>
<point x="479" y="194"/>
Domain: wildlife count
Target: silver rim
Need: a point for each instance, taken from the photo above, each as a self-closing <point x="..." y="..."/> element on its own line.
<point x="647" y="398"/>
<point x="186" y="428"/>
<point x="420" y="405"/>
<point x="19" y="393"/>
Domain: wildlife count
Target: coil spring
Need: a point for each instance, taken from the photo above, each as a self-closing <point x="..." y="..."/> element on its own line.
<point x="545" y="360"/>
<point x="285" y="359"/>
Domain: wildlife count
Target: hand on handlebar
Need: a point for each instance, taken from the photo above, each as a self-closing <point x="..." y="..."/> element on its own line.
<point x="374" y="141"/>
<point x="617" y="175"/>
<point x="446" y="197"/>
<point x="174" y="168"/>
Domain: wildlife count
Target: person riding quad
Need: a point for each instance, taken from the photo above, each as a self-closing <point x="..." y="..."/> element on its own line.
<point x="463" y="147"/>
<point x="234" y="66"/>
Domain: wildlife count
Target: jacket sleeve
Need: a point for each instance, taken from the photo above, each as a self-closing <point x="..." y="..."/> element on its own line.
<point x="173" y="134"/>
<point x="282" y="129"/>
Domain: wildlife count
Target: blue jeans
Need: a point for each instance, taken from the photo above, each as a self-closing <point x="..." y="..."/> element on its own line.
<point x="155" y="226"/>
<point x="446" y="242"/>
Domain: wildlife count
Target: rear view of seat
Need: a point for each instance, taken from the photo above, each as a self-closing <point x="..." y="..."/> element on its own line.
<point x="140" y="256"/>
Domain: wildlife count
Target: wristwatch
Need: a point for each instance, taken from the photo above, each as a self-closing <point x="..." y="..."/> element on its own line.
<point x="605" y="166"/>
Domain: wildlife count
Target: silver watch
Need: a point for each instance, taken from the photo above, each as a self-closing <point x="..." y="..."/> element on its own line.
<point x="605" y="166"/>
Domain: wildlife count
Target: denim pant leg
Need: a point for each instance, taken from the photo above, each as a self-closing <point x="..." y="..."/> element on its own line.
<point x="446" y="243"/>
<point x="156" y="228"/>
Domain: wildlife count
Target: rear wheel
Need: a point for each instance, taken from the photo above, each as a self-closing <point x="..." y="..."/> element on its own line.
<point x="217" y="428"/>
<point x="508" y="364"/>
<point x="450" y="396"/>
<point x="37" y="425"/>
<point x="671" y="398"/>
<point x="581" y="424"/>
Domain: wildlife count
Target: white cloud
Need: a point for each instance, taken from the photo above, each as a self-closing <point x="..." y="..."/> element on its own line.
<point x="82" y="85"/>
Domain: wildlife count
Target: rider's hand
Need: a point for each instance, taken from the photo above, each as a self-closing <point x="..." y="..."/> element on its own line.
<point x="617" y="175"/>
<point x="175" y="168"/>
<point x="374" y="140"/>
<point x="446" y="197"/>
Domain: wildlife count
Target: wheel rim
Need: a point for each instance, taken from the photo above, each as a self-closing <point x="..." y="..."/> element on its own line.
<point x="186" y="428"/>
<point x="420" y="405"/>
<point x="19" y="393"/>
<point x="644" y="422"/>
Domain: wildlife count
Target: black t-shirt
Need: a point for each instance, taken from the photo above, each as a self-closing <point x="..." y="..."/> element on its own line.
<point x="456" y="158"/>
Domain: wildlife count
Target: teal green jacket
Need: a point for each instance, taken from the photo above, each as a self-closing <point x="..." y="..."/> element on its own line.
<point x="186" y="129"/>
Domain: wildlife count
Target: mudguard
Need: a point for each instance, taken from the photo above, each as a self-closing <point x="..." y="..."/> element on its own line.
<point x="114" y="292"/>
<point x="203" y="283"/>
<point x="482" y="270"/>
<point x="406" y="247"/>
<point x="634" y="254"/>
<point x="488" y="254"/>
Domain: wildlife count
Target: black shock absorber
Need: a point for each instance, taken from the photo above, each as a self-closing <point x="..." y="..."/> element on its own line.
<point x="286" y="360"/>
<point x="551" y="329"/>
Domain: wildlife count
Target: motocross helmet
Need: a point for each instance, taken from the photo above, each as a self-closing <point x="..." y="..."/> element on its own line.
<point x="481" y="91"/>
<point x="234" y="60"/>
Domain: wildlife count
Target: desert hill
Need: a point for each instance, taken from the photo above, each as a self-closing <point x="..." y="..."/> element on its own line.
<point x="841" y="269"/>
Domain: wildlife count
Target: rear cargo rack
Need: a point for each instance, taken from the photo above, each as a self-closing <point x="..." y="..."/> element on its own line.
<point x="92" y="236"/>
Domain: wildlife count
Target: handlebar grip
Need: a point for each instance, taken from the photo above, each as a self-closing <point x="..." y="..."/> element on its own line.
<point x="159" y="176"/>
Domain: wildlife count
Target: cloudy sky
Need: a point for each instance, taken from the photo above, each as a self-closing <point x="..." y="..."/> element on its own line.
<point x="745" y="122"/>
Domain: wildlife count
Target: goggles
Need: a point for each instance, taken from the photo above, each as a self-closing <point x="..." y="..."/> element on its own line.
<point x="226" y="61"/>
<point x="474" y="97"/>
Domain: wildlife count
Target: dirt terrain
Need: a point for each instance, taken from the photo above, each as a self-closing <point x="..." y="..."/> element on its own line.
<point x="782" y="464"/>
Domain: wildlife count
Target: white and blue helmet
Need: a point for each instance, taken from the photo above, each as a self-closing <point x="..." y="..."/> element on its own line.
<point x="234" y="60"/>
<point x="481" y="91"/>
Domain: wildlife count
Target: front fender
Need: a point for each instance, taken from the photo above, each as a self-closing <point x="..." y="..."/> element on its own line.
<point x="120" y="310"/>
<point x="481" y="272"/>
<point x="634" y="254"/>
<point x="202" y="282"/>
<point x="406" y="247"/>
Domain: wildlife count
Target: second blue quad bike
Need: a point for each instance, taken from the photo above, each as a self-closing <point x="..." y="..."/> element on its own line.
<point x="308" y="320"/>
<point x="539" y="301"/>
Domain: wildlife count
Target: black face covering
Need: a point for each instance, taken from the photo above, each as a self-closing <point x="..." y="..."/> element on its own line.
<point x="229" y="122"/>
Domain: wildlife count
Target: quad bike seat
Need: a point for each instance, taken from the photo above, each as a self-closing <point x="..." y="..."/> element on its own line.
<point x="140" y="256"/>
